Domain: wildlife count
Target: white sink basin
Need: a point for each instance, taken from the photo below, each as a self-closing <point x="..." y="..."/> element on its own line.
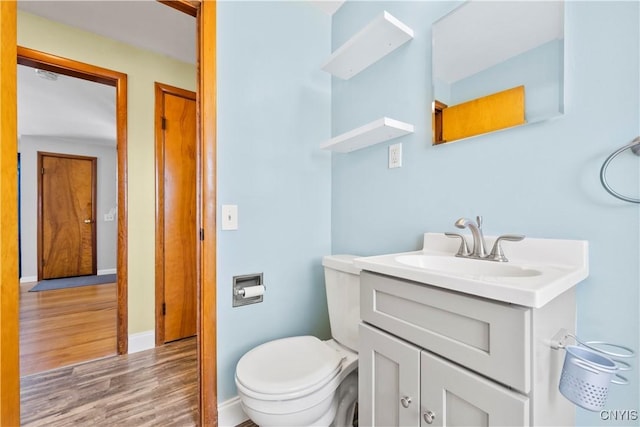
<point x="538" y="270"/>
<point x="466" y="266"/>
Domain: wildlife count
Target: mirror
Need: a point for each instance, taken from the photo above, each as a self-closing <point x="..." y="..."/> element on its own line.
<point x="496" y="65"/>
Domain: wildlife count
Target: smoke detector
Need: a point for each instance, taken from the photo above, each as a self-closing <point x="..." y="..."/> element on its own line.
<point x="47" y="75"/>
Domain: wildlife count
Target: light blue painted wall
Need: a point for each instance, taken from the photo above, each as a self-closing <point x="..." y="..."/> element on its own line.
<point x="540" y="180"/>
<point x="273" y="113"/>
<point x="538" y="69"/>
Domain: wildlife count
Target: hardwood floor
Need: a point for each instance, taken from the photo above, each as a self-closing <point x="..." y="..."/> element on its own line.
<point x="157" y="387"/>
<point x="66" y="326"/>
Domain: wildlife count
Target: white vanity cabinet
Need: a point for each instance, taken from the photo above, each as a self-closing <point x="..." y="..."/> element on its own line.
<point x="430" y="356"/>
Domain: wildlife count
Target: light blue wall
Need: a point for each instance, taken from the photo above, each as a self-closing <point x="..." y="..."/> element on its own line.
<point x="538" y="69"/>
<point x="273" y="113"/>
<point x="540" y="180"/>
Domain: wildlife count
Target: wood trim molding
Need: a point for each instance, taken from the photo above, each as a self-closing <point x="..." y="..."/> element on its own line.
<point x="205" y="13"/>
<point x="57" y="64"/>
<point x="185" y="6"/>
<point x="438" y="107"/>
<point x="207" y="114"/>
<point x="160" y="90"/>
<point x="159" y="249"/>
<point x="9" y="287"/>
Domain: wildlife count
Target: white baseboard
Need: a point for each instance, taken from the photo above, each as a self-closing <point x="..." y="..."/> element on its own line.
<point x="142" y="341"/>
<point x="107" y="271"/>
<point x="230" y="413"/>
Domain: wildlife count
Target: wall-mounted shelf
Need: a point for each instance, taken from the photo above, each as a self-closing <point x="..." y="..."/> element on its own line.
<point x="372" y="133"/>
<point x="380" y="37"/>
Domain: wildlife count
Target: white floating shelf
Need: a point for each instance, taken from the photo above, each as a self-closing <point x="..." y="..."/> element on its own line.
<point x="380" y="37"/>
<point x="375" y="132"/>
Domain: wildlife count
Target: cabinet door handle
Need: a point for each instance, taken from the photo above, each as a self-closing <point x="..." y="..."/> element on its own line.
<point x="405" y="401"/>
<point x="429" y="417"/>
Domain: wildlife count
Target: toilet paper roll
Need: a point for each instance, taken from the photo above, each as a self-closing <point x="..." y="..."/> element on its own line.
<point x="253" y="291"/>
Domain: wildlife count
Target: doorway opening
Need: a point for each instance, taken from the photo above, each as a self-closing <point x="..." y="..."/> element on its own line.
<point x="114" y="297"/>
<point x="205" y="13"/>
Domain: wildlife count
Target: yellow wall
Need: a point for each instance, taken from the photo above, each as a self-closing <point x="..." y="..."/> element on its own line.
<point x="143" y="68"/>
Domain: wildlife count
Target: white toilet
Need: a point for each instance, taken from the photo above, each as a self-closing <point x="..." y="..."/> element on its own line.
<point x="303" y="381"/>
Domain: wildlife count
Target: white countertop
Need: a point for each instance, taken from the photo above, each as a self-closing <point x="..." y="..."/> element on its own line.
<point x="558" y="266"/>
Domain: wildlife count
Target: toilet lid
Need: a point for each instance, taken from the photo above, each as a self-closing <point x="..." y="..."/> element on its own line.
<point x="287" y="365"/>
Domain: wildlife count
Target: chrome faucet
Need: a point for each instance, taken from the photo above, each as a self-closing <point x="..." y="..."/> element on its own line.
<point x="478" y="250"/>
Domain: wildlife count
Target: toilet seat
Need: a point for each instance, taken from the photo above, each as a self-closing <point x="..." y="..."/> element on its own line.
<point x="287" y="368"/>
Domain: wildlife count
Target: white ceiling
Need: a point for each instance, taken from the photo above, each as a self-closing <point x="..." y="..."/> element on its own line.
<point x="480" y="34"/>
<point x="146" y="24"/>
<point x="72" y="108"/>
<point x="68" y="107"/>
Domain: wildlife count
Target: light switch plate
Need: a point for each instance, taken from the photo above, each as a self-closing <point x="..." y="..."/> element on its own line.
<point x="229" y="217"/>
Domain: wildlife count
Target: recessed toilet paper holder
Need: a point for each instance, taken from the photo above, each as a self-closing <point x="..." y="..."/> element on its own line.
<point x="247" y="289"/>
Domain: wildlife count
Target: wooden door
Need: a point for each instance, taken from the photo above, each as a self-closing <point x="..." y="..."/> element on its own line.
<point x="389" y="380"/>
<point x="66" y="220"/>
<point x="176" y="235"/>
<point x="455" y="396"/>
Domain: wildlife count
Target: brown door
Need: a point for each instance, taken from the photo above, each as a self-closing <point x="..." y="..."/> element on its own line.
<point x="176" y="235"/>
<point x="66" y="220"/>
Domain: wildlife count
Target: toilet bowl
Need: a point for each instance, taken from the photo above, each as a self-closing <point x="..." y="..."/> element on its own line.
<point x="303" y="381"/>
<point x="295" y="381"/>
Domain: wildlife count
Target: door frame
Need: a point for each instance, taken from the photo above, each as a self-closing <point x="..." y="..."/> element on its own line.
<point x="94" y="242"/>
<point x="69" y="67"/>
<point x="206" y="121"/>
<point x="205" y="13"/>
<point x="162" y="89"/>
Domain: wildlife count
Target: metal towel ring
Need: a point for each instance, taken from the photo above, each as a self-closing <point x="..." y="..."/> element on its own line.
<point x="635" y="147"/>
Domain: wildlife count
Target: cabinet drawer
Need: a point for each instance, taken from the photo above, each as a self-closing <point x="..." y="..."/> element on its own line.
<point x="488" y="337"/>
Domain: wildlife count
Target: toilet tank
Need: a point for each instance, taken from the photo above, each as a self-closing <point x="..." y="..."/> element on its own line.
<point x="342" y="282"/>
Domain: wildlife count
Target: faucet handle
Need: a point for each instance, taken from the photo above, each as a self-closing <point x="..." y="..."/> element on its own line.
<point x="496" y="253"/>
<point x="463" y="251"/>
<point x="479" y="221"/>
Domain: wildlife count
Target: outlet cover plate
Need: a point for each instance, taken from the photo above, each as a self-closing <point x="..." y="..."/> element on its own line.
<point x="395" y="155"/>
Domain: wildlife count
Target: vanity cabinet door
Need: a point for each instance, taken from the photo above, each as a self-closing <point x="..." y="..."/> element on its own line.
<point x="389" y="380"/>
<point x="454" y="396"/>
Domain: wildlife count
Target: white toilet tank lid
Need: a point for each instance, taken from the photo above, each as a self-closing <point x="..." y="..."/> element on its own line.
<point x="287" y="365"/>
<point x="341" y="263"/>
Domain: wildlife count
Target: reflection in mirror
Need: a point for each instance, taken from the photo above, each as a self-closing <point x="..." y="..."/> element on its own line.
<point x="496" y="65"/>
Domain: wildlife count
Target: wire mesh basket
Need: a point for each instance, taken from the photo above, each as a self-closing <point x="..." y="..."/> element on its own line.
<point x="589" y="369"/>
<point x="586" y="376"/>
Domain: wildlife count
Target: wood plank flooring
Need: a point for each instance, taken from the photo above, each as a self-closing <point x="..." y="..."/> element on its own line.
<point x="66" y="326"/>
<point x="157" y="387"/>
